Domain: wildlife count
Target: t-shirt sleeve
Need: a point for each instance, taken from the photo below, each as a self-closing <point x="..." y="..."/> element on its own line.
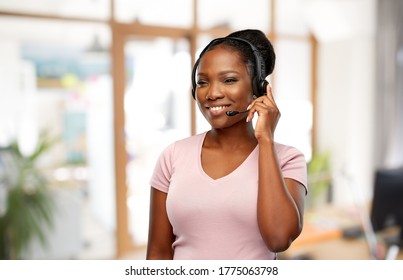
<point x="161" y="176"/>
<point x="294" y="166"/>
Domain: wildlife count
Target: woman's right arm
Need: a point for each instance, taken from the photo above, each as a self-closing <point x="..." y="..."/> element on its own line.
<point x="160" y="234"/>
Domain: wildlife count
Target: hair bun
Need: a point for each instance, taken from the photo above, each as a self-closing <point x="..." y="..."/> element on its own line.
<point x="262" y="43"/>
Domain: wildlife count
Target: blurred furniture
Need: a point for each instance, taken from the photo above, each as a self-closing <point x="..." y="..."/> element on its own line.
<point x="335" y="233"/>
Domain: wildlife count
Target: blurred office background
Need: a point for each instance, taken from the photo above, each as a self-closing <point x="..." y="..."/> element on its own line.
<point x="110" y="81"/>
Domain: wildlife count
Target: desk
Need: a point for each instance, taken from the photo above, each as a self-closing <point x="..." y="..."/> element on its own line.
<point x="322" y="237"/>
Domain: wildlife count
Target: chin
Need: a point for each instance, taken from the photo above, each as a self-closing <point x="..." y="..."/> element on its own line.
<point x="221" y="125"/>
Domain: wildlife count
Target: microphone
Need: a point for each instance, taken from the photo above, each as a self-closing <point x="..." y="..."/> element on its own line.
<point x="233" y="113"/>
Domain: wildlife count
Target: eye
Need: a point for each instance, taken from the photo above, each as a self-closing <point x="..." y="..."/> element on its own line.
<point x="201" y="83"/>
<point x="230" y="80"/>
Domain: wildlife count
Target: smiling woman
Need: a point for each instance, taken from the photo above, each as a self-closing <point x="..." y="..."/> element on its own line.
<point x="234" y="175"/>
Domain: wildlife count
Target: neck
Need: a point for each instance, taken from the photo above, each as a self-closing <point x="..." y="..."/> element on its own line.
<point x="233" y="137"/>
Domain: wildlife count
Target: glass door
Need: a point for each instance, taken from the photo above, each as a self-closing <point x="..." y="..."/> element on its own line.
<point x="156" y="113"/>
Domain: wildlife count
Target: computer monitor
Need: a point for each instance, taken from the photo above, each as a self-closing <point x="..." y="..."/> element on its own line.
<point x="387" y="203"/>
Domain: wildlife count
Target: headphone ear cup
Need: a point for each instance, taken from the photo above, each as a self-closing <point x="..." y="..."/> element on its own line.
<point x="259" y="87"/>
<point x="263" y="86"/>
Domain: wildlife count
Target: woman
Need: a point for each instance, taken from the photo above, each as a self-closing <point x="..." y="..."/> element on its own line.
<point x="231" y="192"/>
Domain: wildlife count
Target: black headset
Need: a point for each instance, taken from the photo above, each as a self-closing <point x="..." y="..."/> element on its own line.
<point x="259" y="82"/>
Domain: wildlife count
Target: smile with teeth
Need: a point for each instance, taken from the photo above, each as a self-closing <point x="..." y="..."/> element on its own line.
<point x="217" y="108"/>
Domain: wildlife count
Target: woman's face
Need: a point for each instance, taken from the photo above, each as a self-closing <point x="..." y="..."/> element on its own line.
<point x="223" y="84"/>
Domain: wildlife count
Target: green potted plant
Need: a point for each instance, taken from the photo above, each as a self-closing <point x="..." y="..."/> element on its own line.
<point x="319" y="178"/>
<point x="28" y="206"/>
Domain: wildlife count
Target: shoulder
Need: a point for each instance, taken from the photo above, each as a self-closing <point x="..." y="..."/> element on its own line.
<point x="287" y="153"/>
<point x="292" y="162"/>
<point x="178" y="153"/>
<point x="183" y="145"/>
<point x="191" y="140"/>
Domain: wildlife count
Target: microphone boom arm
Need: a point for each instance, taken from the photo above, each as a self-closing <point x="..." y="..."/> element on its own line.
<point x="233" y="113"/>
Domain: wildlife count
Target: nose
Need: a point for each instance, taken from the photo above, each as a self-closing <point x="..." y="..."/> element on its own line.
<point x="214" y="92"/>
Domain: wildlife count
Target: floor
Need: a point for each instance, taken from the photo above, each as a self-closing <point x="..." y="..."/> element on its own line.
<point x="98" y="243"/>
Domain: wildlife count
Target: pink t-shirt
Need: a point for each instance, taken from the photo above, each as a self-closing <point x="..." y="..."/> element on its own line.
<point x="216" y="218"/>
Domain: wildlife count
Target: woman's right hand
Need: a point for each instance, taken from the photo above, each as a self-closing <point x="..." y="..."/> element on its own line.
<point x="268" y="115"/>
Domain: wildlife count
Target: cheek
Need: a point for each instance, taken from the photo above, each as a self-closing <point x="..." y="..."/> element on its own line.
<point x="199" y="105"/>
<point x="200" y="95"/>
<point x="242" y="93"/>
<point x="243" y="88"/>
<point x="199" y="101"/>
<point x="202" y="109"/>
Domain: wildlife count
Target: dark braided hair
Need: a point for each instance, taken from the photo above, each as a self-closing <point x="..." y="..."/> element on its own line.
<point x="260" y="41"/>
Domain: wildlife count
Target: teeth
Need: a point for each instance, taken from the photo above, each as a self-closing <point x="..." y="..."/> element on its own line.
<point x="217" y="108"/>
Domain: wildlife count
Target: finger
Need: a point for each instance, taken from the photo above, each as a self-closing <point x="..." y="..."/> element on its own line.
<point x="252" y="109"/>
<point x="264" y="102"/>
<point x="269" y="92"/>
<point x="269" y="97"/>
<point x="257" y="106"/>
<point x="251" y="112"/>
<point x="268" y="88"/>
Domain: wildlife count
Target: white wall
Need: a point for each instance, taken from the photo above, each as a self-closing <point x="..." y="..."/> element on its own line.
<point x="346" y="94"/>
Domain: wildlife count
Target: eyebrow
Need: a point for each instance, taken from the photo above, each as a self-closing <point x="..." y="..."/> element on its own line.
<point x="220" y="73"/>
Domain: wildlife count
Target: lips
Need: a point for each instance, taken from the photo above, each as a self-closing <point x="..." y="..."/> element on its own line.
<point x="217" y="110"/>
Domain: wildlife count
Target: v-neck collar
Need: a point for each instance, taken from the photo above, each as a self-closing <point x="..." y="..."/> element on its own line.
<point x="229" y="175"/>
